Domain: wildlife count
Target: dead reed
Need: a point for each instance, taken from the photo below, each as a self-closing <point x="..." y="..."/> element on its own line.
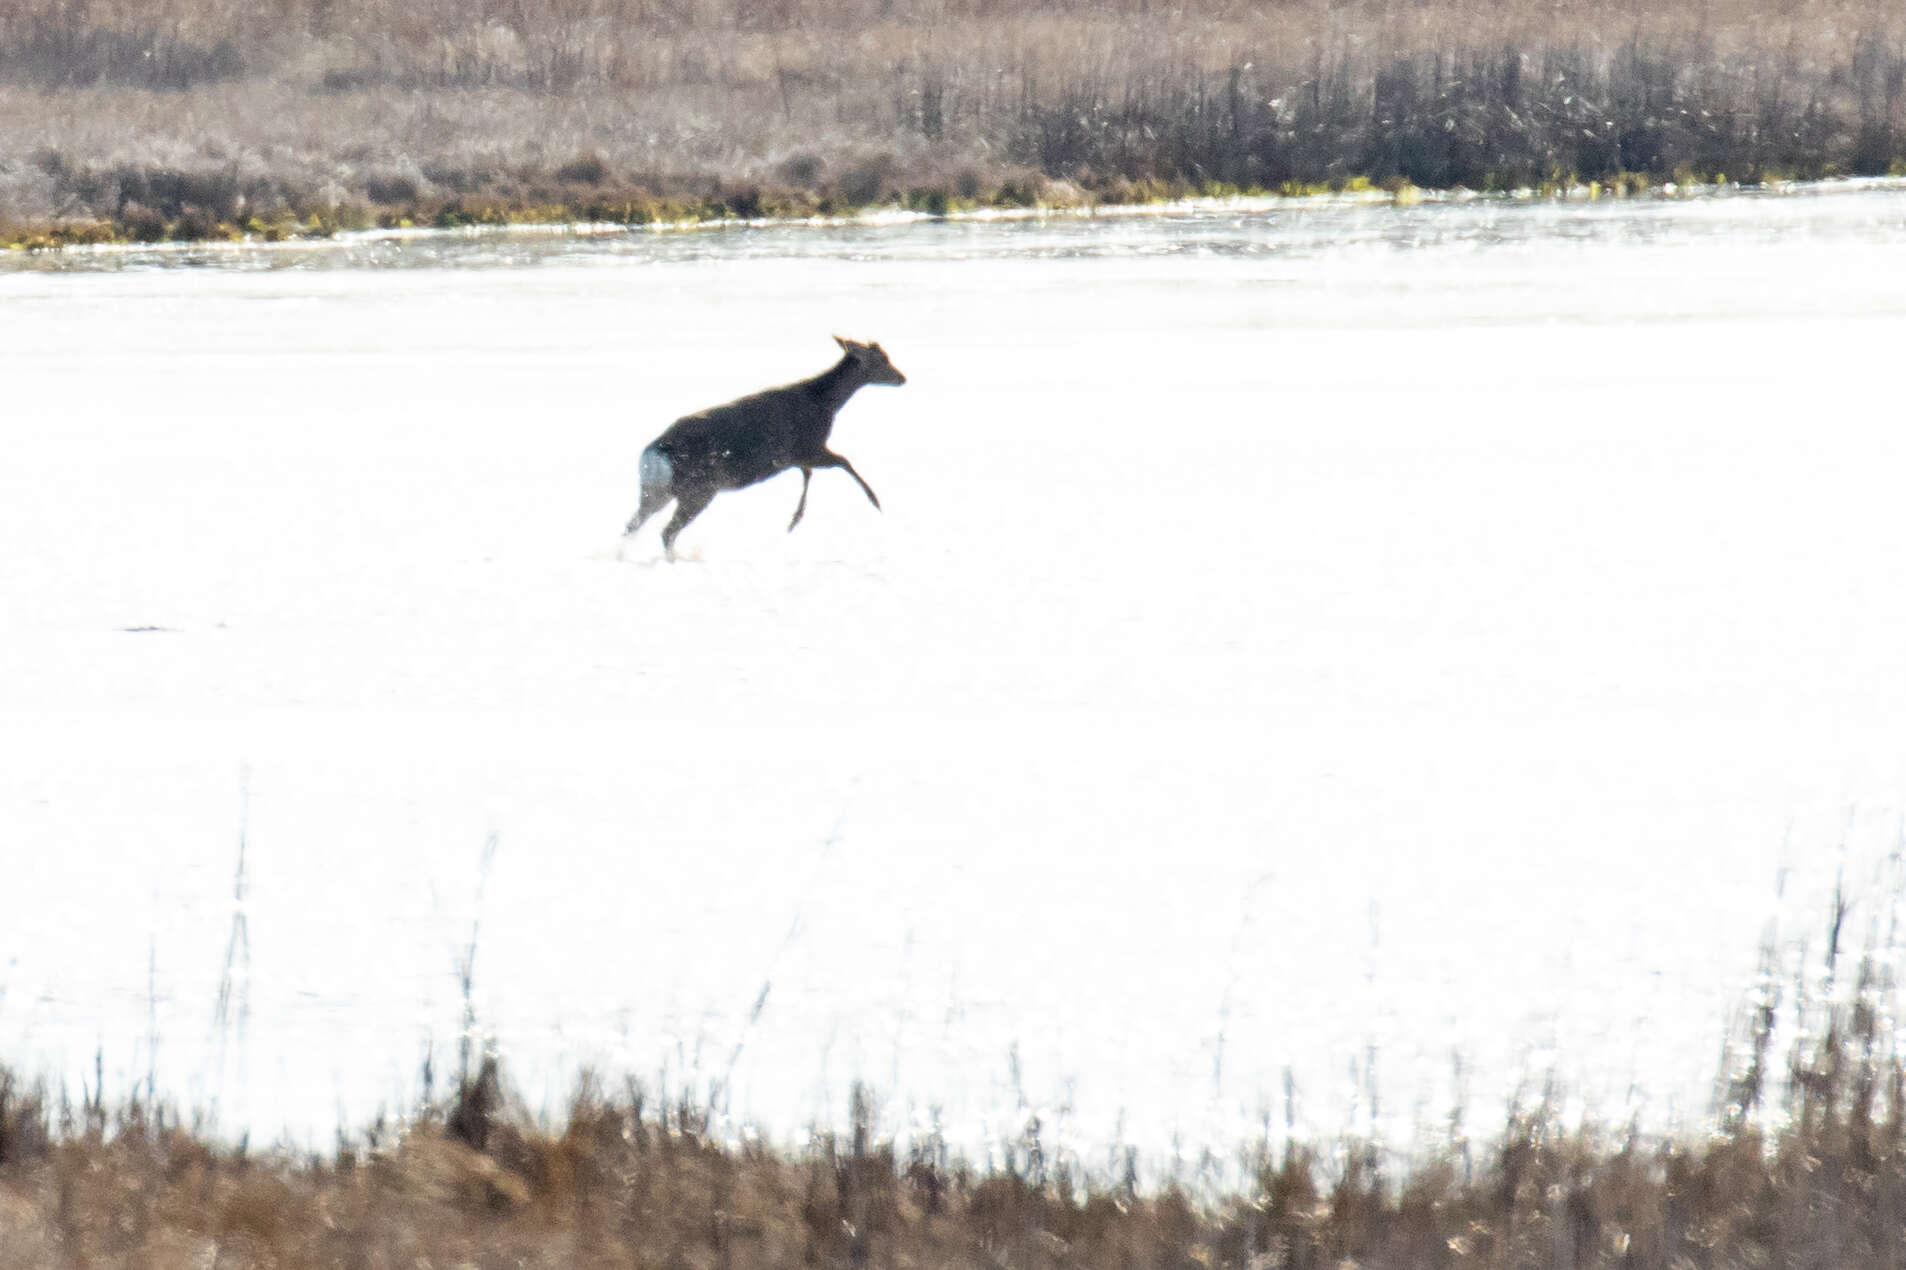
<point x="207" y="118"/>
<point x="1804" y="1165"/>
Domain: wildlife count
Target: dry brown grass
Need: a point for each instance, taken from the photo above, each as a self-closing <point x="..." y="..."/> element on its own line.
<point x="1804" y="1166"/>
<point x="613" y="1188"/>
<point x="1819" y="1179"/>
<point x="205" y="117"/>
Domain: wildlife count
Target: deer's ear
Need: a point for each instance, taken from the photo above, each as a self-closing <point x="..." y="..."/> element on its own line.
<point x="847" y="345"/>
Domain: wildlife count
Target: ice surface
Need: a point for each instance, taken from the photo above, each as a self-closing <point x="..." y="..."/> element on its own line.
<point x="1290" y="636"/>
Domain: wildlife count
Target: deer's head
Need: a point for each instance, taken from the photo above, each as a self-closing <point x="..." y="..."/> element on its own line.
<point x="870" y="360"/>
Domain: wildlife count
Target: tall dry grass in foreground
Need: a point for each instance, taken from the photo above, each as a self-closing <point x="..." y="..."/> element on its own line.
<point x="201" y="117"/>
<point x="1804" y="1166"/>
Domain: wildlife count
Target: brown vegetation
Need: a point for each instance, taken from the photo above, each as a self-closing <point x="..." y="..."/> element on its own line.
<point x="206" y="118"/>
<point x="1804" y="1167"/>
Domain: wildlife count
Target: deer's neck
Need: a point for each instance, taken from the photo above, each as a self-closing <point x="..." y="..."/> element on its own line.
<point x="835" y="385"/>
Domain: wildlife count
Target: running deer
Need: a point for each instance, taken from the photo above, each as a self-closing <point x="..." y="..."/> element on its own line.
<point x="749" y="440"/>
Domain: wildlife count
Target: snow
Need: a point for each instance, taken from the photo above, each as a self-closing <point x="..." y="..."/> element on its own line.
<point x="1291" y="635"/>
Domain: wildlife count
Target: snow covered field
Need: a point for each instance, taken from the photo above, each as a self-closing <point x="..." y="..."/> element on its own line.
<point x="1291" y="636"/>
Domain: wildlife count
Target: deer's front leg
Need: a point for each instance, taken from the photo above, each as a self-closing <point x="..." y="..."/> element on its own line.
<point x="840" y="461"/>
<point x="800" y="508"/>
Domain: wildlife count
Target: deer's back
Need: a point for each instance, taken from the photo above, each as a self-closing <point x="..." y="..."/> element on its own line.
<point x="746" y="440"/>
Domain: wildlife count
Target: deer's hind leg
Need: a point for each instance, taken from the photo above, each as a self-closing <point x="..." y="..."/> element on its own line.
<point x="688" y="505"/>
<point x="650" y="505"/>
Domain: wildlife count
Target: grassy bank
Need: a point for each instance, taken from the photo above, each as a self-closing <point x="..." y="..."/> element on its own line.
<point x="1803" y="1164"/>
<point x="210" y="118"/>
<point x="615" y="1184"/>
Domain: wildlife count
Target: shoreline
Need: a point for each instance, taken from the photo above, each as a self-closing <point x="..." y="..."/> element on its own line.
<point x="1248" y="203"/>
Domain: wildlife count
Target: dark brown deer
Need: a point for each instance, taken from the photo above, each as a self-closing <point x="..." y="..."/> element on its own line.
<point x="749" y="440"/>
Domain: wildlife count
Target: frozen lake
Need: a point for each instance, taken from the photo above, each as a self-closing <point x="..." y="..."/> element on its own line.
<point x="1292" y="636"/>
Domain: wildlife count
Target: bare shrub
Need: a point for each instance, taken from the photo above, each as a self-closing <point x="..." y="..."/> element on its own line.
<point x="837" y="104"/>
<point x="24" y="1132"/>
<point x="53" y="51"/>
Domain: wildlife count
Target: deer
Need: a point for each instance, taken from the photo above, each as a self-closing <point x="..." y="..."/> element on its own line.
<point x="746" y="441"/>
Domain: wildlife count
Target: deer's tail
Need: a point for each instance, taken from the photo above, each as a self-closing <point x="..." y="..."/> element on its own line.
<point x="658" y="486"/>
<point x="658" y="476"/>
